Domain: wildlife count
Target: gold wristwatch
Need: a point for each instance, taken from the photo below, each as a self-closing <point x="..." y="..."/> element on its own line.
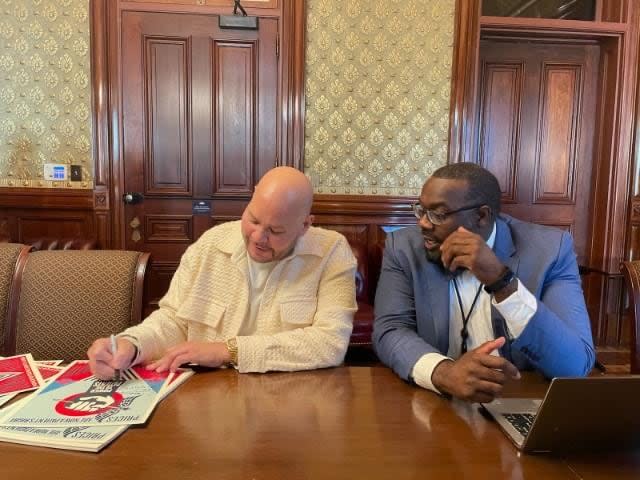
<point x="232" y="346"/>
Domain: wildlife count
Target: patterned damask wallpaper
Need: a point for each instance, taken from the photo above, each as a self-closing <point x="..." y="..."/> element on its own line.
<point x="378" y="75"/>
<point x="377" y="90"/>
<point x="45" y="90"/>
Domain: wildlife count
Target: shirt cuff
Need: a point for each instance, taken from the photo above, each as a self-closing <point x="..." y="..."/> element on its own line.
<point x="517" y="309"/>
<point x="423" y="369"/>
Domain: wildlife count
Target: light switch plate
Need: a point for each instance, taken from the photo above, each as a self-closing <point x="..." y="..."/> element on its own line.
<point x="76" y="173"/>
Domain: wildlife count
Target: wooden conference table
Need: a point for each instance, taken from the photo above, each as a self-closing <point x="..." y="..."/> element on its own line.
<point x="342" y="423"/>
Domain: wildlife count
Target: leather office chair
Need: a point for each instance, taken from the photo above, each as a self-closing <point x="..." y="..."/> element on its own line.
<point x="363" y="318"/>
<point x="12" y="256"/>
<point x="53" y="243"/>
<point x="631" y="272"/>
<point x="68" y="298"/>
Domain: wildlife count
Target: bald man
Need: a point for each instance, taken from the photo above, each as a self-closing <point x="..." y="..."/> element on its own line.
<point x="268" y="292"/>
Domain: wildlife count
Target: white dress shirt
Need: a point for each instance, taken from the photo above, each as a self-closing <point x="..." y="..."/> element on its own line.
<point x="517" y="310"/>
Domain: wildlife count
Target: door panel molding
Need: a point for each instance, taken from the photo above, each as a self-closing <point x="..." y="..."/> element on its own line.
<point x="235" y="100"/>
<point x="502" y="89"/>
<point x="172" y="228"/>
<point x="558" y="130"/>
<point x="167" y="111"/>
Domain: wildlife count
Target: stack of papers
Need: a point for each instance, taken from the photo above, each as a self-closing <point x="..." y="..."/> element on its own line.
<point x="71" y="408"/>
<point x="22" y="374"/>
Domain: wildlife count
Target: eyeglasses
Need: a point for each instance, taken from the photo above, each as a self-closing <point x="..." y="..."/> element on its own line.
<point x="435" y="217"/>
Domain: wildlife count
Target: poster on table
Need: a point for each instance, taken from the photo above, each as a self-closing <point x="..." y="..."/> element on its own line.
<point x="77" y="398"/>
<point x="81" y="438"/>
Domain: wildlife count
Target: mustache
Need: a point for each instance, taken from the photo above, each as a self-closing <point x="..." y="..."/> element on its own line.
<point x="428" y="236"/>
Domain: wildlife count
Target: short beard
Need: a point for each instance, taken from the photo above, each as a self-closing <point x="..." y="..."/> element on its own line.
<point x="434" y="256"/>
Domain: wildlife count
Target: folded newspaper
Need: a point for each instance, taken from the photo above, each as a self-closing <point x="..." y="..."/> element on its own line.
<point x="75" y="410"/>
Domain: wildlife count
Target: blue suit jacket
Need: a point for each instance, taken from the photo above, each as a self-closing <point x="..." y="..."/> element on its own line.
<point x="412" y="302"/>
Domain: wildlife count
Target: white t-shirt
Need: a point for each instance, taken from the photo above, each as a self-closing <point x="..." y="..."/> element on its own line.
<point x="258" y="275"/>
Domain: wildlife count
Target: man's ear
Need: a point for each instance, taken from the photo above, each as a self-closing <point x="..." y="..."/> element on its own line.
<point x="308" y="221"/>
<point x="485" y="216"/>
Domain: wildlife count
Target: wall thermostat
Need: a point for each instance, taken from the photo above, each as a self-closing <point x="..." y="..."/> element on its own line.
<point x="55" y="171"/>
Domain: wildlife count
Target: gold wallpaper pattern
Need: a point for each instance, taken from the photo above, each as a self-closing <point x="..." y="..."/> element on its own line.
<point x="45" y="91"/>
<point x="378" y="81"/>
<point x="378" y="78"/>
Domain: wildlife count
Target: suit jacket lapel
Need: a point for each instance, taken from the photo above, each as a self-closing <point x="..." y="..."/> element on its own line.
<point x="503" y="247"/>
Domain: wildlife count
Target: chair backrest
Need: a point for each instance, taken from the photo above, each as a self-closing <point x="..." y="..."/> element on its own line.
<point x="12" y="256"/>
<point x="631" y="272"/>
<point x="68" y="298"/>
<point x="362" y="270"/>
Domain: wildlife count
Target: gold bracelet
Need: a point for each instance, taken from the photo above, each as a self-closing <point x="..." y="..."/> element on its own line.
<point x="232" y="346"/>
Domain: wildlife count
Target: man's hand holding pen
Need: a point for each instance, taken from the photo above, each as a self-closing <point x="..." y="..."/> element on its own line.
<point x="114" y="351"/>
<point x="109" y="356"/>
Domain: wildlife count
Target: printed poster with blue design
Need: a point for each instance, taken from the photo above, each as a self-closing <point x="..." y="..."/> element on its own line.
<point x="77" y="398"/>
<point x="82" y="438"/>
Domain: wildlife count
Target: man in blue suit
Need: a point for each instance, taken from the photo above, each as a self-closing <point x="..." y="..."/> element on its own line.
<point x="468" y="296"/>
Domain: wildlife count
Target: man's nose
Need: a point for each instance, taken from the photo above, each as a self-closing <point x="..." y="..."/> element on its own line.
<point x="263" y="234"/>
<point x="425" y="223"/>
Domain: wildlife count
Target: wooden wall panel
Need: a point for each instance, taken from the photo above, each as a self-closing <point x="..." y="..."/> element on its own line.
<point x="634" y="229"/>
<point x="634" y="242"/>
<point x="5" y="231"/>
<point x="556" y="158"/>
<point x="103" y="229"/>
<point x="234" y="116"/>
<point x="169" y="228"/>
<point x="27" y="215"/>
<point x="167" y="159"/>
<point x="157" y="283"/>
<point x="365" y="222"/>
<point x="104" y="218"/>
<point x="501" y="94"/>
<point x="31" y="225"/>
<point x="356" y="234"/>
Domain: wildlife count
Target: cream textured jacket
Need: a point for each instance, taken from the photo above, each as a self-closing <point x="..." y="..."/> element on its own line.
<point x="305" y="317"/>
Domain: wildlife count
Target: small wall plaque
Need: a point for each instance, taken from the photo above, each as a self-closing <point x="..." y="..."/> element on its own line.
<point x="201" y="207"/>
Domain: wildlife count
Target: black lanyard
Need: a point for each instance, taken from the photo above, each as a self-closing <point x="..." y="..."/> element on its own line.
<point x="465" y="318"/>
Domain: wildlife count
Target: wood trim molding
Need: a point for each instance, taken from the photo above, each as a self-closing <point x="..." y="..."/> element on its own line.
<point x="632" y="249"/>
<point x="215" y="7"/>
<point x="558" y="28"/>
<point x="105" y="133"/>
<point x="40" y="198"/>
<point x="112" y="80"/>
<point x="292" y="54"/>
<point x="99" y="92"/>
<point x="617" y="184"/>
<point x="365" y="205"/>
<point x="463" y="80"/>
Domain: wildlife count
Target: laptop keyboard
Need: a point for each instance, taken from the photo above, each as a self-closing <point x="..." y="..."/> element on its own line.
<point x="521" y="421"/>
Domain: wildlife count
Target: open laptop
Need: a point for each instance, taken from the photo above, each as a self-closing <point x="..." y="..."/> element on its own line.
<point x="576" y="414"/>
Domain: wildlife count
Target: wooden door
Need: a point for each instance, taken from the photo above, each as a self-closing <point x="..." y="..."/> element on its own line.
<point x="537" y="111"/>
<point x="200" y="128"/>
